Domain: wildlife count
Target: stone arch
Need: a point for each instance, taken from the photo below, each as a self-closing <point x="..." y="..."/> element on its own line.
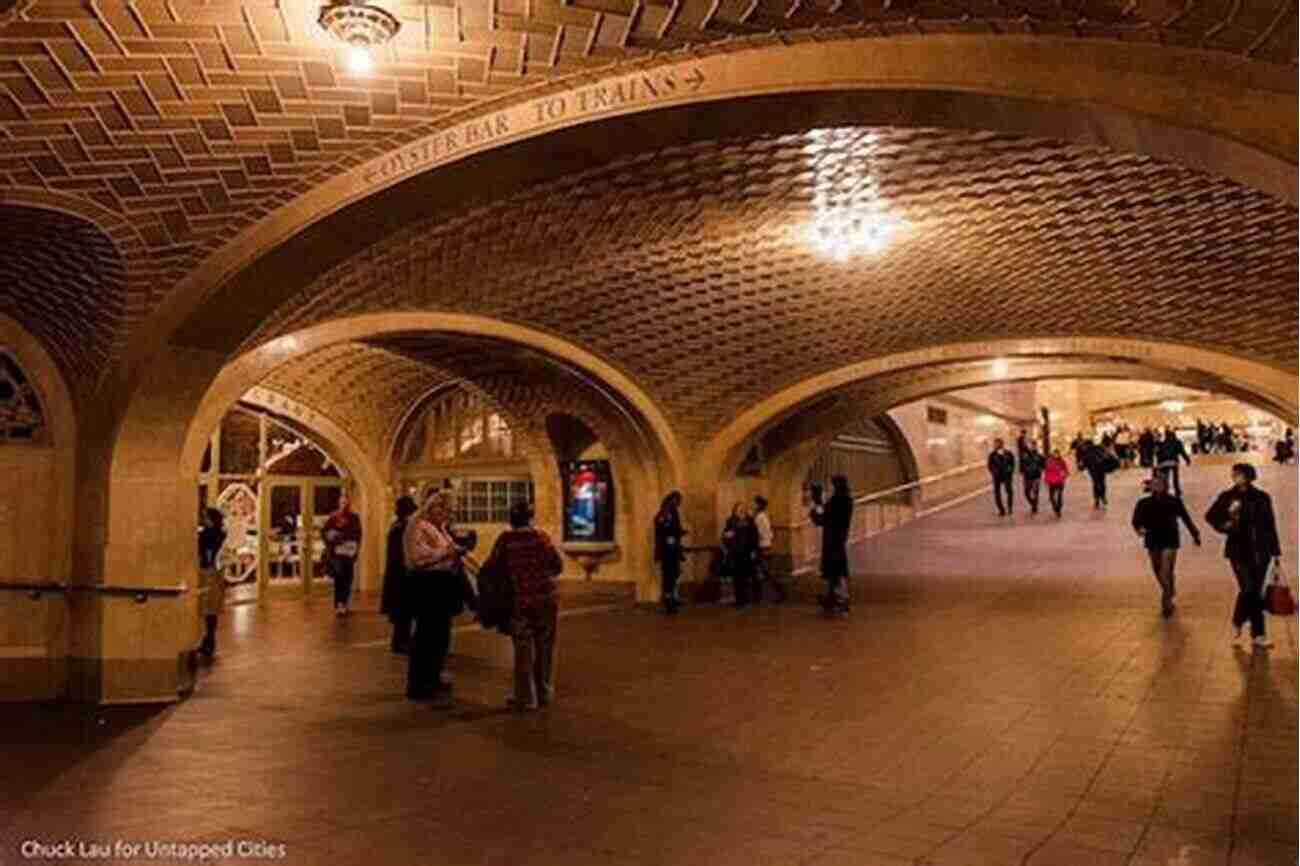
<point x="534" y="451"/>
<point x="367" y="477"/>
<point x="48" y="465"/>
<point x="1128" y="96"/>
<point x="252" y="367"/>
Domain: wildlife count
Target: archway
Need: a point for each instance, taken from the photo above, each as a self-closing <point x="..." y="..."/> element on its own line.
<point x="895" y="379"/>
<point x="38" y="431"/>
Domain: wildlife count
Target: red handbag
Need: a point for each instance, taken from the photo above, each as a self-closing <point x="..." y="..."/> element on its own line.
<point x="1278" y="599"/>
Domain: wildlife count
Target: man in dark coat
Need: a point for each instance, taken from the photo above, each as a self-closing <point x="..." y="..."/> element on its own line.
<point x="1002" y="468"/>
<point x="1155" y="519"/>
<point x="1168" y="453"/>
<point x="1031" y="467"/>
<point x="1098" y="466"/>
<point x="1147" y="448"/>
<point x="1244" y="513"/>
<point x="393" y="601"/>
<point x="668" y="549"/>
<point x="835" y="518"/>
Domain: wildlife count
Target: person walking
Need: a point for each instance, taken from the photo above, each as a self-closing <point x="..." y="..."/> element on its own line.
<point x="528" y="558"/>
<point x="1077" y="446"/>
<point x="1146" y="448"/>
<point x="1031" y="469"/>
<point x="835" y="517"/>
<point x="1244" y="514"/>
<point x="393" y="601"/>
<point x="1097" y="463"/>
<point x="1022" y="444"/>
<point x="1124" y="446"/>
<point x="740" y="546"/>
<point x="436" y="594"/>
<point x="212" y="583"/>
<point x="1002" y="468"/>
<point x="763" y="562"/>
<point x="1054" y="474"/>
<point x="668" y="549"/>
<point x="342" y="535"/>
<point x="1155" y="520"/>
<point x="1168" y="453"/>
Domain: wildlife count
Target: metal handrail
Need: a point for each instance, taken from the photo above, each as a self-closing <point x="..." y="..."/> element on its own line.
<point x="140" y="593"/>
<point x="893" y="491"/>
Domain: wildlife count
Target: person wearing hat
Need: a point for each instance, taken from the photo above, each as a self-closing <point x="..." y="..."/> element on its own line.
<point x="1244" y="513"/>
<point x="526" y="556"/>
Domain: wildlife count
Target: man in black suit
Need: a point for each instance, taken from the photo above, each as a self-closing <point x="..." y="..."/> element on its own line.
<point x="1002" y="466"/>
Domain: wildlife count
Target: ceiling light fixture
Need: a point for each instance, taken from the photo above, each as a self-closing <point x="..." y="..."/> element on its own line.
<point x="359" y="26"/>
<point x="849" y="216"/>
<point x="1173" y="405"/>
<point x="1000" y="367"/>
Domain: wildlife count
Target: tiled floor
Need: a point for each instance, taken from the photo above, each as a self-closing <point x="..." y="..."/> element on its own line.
<point x="1004" y="693"/>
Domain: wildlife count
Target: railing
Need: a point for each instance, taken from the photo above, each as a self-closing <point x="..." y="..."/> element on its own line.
<point x="37" y="588"/>
<point x="886" y="509"/>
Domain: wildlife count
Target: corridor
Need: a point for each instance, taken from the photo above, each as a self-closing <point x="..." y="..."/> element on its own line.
<point x="1004" y="693"/>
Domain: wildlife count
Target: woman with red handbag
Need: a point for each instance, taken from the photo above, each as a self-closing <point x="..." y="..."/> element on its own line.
<point x="1244" y="513"/>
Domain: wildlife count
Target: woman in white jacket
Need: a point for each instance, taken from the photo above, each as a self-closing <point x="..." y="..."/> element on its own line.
<point x="763" y="523"/>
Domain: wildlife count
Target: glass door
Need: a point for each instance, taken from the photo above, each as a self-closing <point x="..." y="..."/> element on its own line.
<point x="325" y="501"/>
<point x="285" y="571"/>
<point x="238" y="564"/>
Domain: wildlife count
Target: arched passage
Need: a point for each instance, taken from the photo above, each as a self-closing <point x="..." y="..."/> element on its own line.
<point x="793" y="426"/>
<point x="907" y="376"/>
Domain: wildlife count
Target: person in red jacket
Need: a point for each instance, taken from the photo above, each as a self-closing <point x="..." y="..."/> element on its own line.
<point x="342" y="535"/>
<point x="1054" y="475"/>
<point x="527" y="557"/>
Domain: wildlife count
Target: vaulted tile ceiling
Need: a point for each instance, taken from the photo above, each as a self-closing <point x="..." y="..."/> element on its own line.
<point x="187" y="121"/>
<point x="692" y="268"/>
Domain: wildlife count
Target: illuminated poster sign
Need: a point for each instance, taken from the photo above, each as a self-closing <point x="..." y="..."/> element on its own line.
<point x="588" y="500"/>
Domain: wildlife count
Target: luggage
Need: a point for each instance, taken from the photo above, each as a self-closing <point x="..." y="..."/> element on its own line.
<point x="1278" y="599"/>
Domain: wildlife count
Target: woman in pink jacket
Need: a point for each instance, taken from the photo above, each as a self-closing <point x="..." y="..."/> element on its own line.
<point x="1054" y="475"/>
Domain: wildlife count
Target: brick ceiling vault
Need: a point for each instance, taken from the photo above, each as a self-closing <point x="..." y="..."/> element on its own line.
<point x="370" y="388"/>
<point x="195" y="119"/>
<point x="68" y="288"/>
<point x="689" y="268"/>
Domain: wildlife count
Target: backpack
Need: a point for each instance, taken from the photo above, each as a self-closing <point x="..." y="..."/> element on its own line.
<point x="496" y="596"/>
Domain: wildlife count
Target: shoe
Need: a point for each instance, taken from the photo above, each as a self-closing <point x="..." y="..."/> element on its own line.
<point x="519" y="706"/>
<point x="1237" y="634"/>
<point x="1261" y="642"/>
<point x="339" y="610"/>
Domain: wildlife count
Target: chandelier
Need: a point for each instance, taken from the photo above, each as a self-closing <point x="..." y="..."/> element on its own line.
<point x="850" y="217"/>
<point x="359" y="26"/>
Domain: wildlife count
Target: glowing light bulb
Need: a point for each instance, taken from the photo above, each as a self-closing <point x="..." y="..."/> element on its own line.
<point x="1000" y="367"/>
<point x="359" y="59"/>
